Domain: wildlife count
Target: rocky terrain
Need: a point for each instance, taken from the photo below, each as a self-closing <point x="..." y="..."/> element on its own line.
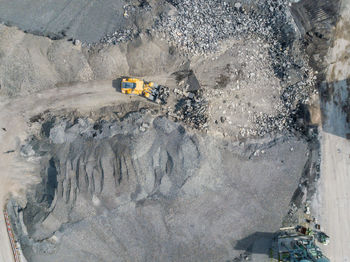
<point x="233" y="152"/>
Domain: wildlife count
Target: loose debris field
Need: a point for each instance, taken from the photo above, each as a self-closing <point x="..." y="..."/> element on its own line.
<point x="227" y="155"/>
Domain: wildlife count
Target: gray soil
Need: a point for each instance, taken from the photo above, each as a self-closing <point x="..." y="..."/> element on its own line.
<point x="142" y="188"/>
<point x="88" y="21"/>
<point x="232" y="154"/>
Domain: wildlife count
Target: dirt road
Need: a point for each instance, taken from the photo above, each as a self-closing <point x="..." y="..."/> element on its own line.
<point x="334" y="196"/>
<point x="6" y="254"/>
<point x="14" y="116"/>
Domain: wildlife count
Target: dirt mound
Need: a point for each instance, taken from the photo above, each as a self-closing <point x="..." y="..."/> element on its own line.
<point x="32" y="63"/>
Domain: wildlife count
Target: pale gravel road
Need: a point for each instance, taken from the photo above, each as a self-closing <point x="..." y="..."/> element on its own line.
<point x="335" y="185"/>
<point x="6" y="254"/>
<point x="334" y="192"/>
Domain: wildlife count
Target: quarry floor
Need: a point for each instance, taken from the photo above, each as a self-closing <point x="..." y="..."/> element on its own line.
<point x="37" y="93"/>
<point x="14" y="116"/>
<point x="332" y="201"/>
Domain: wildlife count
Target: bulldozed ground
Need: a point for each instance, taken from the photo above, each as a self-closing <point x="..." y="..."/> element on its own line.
<point x="90" y="174"/>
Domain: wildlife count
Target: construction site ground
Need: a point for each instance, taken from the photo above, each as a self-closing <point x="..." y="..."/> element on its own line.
<point x="90" y="174"/>
<point x="17" y="112"/>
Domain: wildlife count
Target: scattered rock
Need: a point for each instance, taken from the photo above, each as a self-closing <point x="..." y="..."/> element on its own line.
<point x="77" y="42"/>
<point x="238" y="5"/>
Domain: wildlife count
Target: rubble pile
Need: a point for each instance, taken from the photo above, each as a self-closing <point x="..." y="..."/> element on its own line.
<point x="293" y="98"/>
<point x="202" y="27"/>
<point x="192" y="110"/>
<point x="198" y="26"/>
<point x="118" y="37"/>
<point x="287" y="113"/>
<point x="298" y="82"/>
<point x="245" y="87"/>
<point x="191" y="106"/>
<point x="162" y="93"/>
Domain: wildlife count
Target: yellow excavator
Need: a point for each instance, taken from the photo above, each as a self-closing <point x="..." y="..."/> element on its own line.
<point x="150" y="90"/>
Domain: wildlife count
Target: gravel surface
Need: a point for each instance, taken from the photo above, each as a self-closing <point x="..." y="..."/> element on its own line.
<point x="190" y="180"/>
<point x="143" y="188"/>
<point x="85" y="20"/>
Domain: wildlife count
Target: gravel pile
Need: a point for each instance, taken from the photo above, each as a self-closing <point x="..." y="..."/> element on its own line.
<point x="191" y="106"/>
<point x="118" y="37"/>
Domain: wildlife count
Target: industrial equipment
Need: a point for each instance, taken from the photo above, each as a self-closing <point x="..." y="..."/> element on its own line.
<point x="296" y="246"/>
<point x="323" y="238"/>
<point x="150" y="90"/>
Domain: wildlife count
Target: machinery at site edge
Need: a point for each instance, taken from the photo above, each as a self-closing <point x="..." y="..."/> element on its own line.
<point x="149" y="90"/>
<point x="298" y="245"/>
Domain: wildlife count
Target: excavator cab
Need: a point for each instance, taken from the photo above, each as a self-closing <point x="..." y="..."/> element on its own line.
<point x="132" y="86"/>
<point x="128" y="87"/>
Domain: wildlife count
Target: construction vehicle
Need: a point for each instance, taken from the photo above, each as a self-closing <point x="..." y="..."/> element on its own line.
<point x="150" y="90"/>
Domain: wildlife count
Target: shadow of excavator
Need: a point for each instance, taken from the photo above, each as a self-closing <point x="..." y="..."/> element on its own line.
<point x="117" y="83"/>
<point x="256" y="243"/>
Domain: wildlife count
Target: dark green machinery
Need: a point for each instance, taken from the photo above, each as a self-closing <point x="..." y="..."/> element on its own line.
<point x="294" y="247"/>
